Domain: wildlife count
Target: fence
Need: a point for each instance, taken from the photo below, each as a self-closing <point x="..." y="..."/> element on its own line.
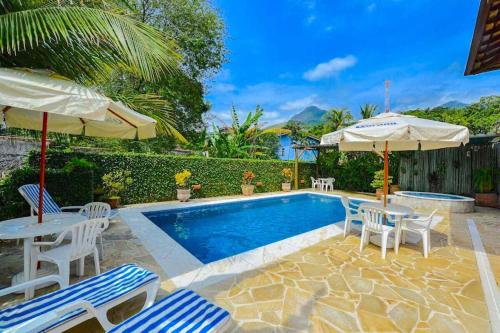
<point x="448" y="170"/>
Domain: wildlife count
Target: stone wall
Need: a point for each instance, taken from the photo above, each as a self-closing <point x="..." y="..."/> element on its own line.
<point x="13" y="151"/>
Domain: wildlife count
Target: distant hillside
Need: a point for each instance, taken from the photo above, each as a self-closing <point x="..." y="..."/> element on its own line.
<point x="453" y="105"/>
<point x="310" y="116"/>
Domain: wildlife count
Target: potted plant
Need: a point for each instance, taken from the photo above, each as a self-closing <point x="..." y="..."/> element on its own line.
<point x="484" y="186"/>
<point x="378" y="183"/>
<point x="287" y="174"/>
<point x="246" y="186"/>
<point x="114" y="183"/>
<point x="395" y="188"/>
<point x="182" y="182"/>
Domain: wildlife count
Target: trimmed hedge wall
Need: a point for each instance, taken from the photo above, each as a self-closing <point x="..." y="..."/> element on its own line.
<point x="67" y="189"/>
<point x="153" y="174"/>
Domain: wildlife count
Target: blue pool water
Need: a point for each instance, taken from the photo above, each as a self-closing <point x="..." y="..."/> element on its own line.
<point x="219" y="231"/>
<point x="428" y="195"/>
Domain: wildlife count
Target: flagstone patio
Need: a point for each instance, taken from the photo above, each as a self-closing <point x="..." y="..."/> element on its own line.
<point x="331" y="286"/>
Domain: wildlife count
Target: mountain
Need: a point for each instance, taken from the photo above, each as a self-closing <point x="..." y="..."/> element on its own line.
<point x="453" y="105"/>
<point x="310" y="116"/>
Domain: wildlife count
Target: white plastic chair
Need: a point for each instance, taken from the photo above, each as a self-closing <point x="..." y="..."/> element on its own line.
<point x="351" y="214"/>
<point x="373" y="222"/>
<point x="83" y="243"/>
<point x="419" y="225"/>
<point x="328" y="184"/>
<point x="315" y="183"/>
<point x="98" y="210"/>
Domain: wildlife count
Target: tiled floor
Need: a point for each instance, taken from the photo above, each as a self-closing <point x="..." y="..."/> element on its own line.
<point x="332" y="287"/>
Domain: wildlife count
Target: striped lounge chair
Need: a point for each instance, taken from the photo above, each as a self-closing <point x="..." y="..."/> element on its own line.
<point x="183" y="311"/>
<point x="65" y="308"/>
<point x="30" y="193"/>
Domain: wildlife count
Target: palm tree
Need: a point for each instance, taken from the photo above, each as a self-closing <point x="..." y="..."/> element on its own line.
<point x="92" y="42"/>
<point x="337" y="118"/>
<point x="368" y="110"/>
<point x="83" y="40"/>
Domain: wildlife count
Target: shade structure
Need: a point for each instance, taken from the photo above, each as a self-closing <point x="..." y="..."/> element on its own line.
<point x="41" y="100"/>
<point x="396" y="132"/>
<point x="25" y="95"/>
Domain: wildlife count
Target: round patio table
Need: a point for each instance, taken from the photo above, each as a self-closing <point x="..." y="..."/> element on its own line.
<point x="398" y="211"/>
<point x="27" y="228"/>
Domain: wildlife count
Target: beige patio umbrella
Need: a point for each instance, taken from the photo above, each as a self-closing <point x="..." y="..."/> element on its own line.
<point x="396" y="132"/>
<point x="42" y="100"/>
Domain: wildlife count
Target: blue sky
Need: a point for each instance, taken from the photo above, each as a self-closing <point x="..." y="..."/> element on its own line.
<point x="288" y="54"/>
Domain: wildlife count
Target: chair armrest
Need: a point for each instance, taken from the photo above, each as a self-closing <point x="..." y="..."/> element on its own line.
<point x="58" y="240"/>
<point x="74" y="208"/>
<point x="32" y="283"/>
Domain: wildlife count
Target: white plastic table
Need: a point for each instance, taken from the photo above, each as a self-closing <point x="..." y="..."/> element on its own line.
<point x="323" y="181"/>
<point x="398" y="211"/>
<point x="27" y="228"/>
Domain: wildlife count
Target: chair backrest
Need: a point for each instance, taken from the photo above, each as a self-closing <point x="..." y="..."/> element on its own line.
<point x="351" y="210"/>
<point x="428" y="220"/>
<point x="84" y="235"/>
<point x="97" y="210"/>
<point x="313" y="180"/>
<point x="31" y="192"/>
<point x="374" y="218"/>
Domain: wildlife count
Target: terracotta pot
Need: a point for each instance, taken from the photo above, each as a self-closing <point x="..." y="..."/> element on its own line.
<point x="487" y="199"/>
<point x="259" y="184"/>
<point x="395" y="188"/>
<point x="183" y="194"/>
<point x="379" y="193"/>
<point x="247" y="189"/>
<point x="114" y="202"/>
<point x="197" y="187"/>
<point x="302" y="181"/>
<point x="286" y="187"/>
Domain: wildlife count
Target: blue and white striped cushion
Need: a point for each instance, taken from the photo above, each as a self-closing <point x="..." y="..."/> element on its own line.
<point x="98" y="290"/>
<point x="181" y="312"/>
<point x="32" y="192"/>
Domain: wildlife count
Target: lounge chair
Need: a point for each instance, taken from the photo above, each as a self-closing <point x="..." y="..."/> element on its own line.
<point x="30" y="193"/>
<point x="181" y="311"/>
<point x="67" y="307"/>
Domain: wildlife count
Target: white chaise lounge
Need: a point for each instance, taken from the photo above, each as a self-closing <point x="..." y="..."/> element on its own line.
<point x="182" y="311"/>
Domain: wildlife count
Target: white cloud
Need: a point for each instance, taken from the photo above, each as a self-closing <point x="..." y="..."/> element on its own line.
<point x="371" y="7"/>
<point x="301" y="103"/>
<point x="330" y="68"/>
<point x="223" y="88"/>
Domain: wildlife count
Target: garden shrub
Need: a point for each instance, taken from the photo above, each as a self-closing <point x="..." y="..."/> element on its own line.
<point x="154" y="175"/>
<point x="66" y="188"/>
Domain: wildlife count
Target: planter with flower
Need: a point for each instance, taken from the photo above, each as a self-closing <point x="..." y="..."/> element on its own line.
<point x="484" y="186"/>
<point x="246" y="186"/>
<point x="378" y="183"/>
<point x="182" y="182"/>
<point x="287" y="179"/>
<point x="114" y="183"/>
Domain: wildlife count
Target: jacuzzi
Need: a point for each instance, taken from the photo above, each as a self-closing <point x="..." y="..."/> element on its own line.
<point x="429" y="201"/>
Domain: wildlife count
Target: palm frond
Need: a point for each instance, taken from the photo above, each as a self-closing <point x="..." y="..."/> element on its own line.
<point x="106" y="37"/>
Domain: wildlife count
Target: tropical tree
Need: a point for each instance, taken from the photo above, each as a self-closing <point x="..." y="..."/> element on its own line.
<point x="243" y="140"/>
<point x="368" y="110"/>
<point x="337" y="118"/>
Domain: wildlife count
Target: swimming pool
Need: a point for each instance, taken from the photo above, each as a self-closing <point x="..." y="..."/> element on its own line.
<point x="214" y="232"/>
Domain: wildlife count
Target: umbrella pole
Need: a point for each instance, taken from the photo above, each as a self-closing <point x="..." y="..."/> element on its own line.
<point x="42" y="167"/>
<point x="386" y="172"/>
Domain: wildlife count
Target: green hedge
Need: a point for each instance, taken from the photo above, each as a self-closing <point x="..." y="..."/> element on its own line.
<point x="153" y="174"/>
<point x="67" y="189"/>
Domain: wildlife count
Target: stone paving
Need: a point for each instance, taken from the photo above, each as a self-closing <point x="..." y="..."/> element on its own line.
<point x="331" y="286"/>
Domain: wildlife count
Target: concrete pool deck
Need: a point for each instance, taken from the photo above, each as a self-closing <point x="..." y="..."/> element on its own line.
<point x="331" y="287"/>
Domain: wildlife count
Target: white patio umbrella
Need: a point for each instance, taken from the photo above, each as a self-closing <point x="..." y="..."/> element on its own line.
<point x="396" y="132"/>
<point x="41" y="100"/>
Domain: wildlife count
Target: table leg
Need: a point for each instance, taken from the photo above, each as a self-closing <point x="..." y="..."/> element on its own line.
<point x="29" y="292"/>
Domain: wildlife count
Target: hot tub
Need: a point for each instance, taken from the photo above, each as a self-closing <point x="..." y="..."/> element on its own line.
<point x="430" y="201"/>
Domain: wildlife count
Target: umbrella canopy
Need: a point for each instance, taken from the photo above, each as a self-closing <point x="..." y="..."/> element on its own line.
<point x="396" y="132"/>
<point x="401" y="132"/>
<point x="25" y="95"/>
<point x="41" y="100"/>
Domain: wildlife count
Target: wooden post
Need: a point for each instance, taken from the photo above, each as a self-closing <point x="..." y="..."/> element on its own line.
<point x="296" y="172"/>
<point x="317" y="164"/>
<point x="42" y="167"/>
